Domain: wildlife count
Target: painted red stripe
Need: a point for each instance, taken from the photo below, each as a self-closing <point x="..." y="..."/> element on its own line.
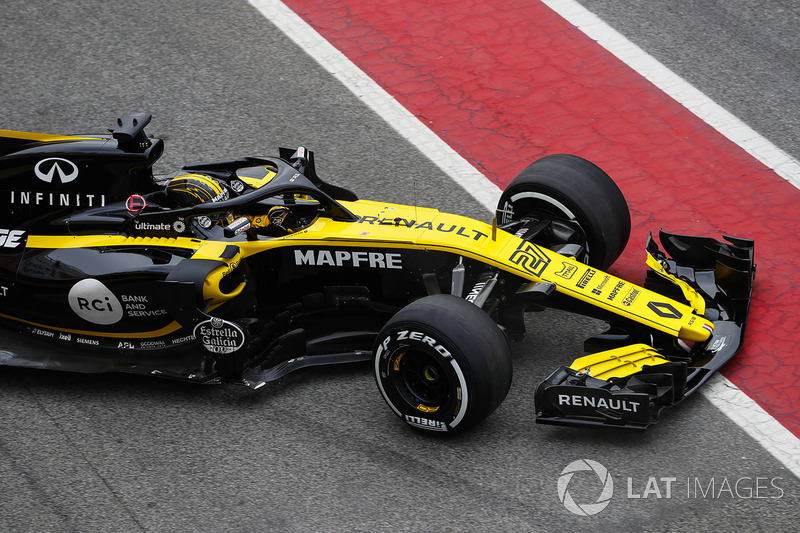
<point x="507" y="82"/>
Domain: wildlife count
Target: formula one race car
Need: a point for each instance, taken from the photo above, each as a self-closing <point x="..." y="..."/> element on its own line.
<point x="242" y="271"/>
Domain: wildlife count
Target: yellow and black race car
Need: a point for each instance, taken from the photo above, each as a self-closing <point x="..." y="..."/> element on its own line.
<point x="244" y="270"/>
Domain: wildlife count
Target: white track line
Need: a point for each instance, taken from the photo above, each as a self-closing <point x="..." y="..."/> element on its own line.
<point x="739" y="407"/>
<point x="679" y="89"/>
<point x="381" y="102"/>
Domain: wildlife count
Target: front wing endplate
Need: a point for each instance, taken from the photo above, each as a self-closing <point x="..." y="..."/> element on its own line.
<point x="628" y="385"/>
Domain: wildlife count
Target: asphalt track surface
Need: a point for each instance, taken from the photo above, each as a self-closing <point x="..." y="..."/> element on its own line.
<point x="319" y="450"/>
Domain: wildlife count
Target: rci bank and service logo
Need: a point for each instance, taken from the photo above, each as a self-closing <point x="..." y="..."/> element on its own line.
<point x="603" y="482"/>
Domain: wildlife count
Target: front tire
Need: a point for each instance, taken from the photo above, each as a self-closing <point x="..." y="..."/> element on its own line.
<point x="442" y="364"/>
<point x="584" y="204"/>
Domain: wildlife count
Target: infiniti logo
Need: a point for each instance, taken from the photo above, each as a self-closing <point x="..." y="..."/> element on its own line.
<point x="47" y="168"/>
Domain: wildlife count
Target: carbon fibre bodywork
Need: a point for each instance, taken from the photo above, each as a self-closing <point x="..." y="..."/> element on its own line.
<point x="100" y="272"/>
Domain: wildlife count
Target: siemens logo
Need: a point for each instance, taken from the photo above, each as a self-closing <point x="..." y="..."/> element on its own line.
<point x="343" y="258"/>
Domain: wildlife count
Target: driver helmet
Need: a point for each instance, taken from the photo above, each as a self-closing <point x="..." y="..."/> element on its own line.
<point x="189" y="190"/>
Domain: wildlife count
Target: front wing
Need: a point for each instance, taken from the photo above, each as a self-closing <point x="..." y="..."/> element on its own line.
<point x="639" y="372"/>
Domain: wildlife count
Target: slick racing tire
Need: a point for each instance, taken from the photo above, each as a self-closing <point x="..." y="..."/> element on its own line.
<point x="442" y="364"/>
<point x="585" y="204"/>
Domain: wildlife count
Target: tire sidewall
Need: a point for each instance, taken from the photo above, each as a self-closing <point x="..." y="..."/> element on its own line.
<point x="405" y="338"/>
<point x="465" y="344"/>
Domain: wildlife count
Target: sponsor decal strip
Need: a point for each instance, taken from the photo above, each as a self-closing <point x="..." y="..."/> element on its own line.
<point x="601" y="302"/>
<point x="166" y="330"/>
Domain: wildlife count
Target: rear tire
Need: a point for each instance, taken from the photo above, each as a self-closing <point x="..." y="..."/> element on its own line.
<point x="587" y="206"/>
<point x="442" y="364"/>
